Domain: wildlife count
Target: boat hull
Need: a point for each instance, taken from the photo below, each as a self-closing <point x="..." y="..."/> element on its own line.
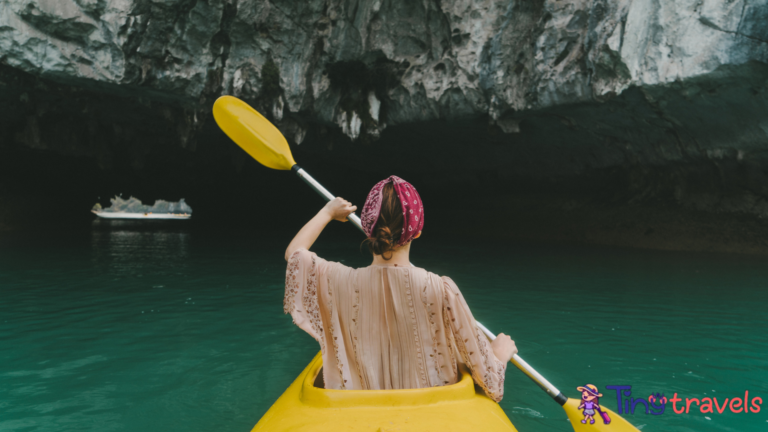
<point x="124" y="215"/>
<point x="457" y="407"/>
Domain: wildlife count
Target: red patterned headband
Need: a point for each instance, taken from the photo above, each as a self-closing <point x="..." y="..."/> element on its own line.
<point x="410" y="201"/>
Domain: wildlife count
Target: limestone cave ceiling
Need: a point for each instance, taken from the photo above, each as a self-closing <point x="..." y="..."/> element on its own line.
<point x="664" y="98"/>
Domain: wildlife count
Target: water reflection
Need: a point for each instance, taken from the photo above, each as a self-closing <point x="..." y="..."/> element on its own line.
<point x="130" y="249"/>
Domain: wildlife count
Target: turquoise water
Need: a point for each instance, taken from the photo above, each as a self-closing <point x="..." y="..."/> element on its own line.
<point x="128" y="329"/>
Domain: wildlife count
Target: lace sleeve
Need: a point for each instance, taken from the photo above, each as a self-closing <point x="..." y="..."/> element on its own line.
<point x="301" y="293"/>
<point x="473" y="346"/>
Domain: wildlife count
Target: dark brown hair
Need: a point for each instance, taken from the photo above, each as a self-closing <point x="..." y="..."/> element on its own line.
<point x="389" y="226"/>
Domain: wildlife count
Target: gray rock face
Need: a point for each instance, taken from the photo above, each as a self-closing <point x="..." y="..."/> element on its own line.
<point x="443" y="60"/>
<point x="669" y="97"/>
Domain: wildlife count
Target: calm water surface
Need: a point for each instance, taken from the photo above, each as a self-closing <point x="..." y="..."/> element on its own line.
<point x="132" y="329"/>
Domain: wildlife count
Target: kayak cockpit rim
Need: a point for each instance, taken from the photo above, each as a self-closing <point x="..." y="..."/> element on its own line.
<point x="311" y="395"/>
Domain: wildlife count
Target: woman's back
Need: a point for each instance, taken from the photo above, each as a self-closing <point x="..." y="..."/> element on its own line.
<point x="387" y="327"/>
<point x="390" y="325"/>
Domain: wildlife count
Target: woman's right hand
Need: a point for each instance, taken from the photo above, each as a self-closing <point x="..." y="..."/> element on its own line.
<point x="503" y="347"/>
<point x="339" y="209"/>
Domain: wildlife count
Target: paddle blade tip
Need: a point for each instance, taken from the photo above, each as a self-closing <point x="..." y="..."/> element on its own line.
<point x="253" y="133"/>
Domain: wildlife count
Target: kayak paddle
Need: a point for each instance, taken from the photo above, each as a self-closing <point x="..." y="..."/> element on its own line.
<point x="571" y="406"/>
<point x="264" y="142"/>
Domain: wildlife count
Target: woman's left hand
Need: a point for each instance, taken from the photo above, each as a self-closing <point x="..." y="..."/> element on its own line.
<point x="339" y="209"/>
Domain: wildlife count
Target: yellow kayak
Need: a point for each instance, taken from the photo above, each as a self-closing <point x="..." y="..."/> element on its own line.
<point x="458" y="407"/>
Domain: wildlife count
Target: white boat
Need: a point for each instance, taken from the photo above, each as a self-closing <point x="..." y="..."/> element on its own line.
<point x="126" y="215"/>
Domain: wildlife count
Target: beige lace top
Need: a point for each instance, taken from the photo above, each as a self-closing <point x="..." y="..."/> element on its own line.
<point x="383" y="327"/>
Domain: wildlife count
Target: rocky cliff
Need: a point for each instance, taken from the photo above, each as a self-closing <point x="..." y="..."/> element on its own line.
<point x="609" y="102"/>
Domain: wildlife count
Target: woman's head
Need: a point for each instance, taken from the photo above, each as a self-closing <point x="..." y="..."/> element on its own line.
<point x="393" y="215"/>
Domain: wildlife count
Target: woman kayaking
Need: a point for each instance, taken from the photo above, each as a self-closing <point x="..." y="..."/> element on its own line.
<point x="389" y="325"/>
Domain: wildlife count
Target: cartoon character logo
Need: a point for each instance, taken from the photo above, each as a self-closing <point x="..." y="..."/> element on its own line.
<point x="590" y="402"/>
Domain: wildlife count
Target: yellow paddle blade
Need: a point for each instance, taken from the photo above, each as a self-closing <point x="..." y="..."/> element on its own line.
<point x="254" y="133"/>
<point x="575" y="415"/>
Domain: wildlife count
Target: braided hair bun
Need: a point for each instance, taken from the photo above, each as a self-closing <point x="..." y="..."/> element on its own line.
<point x="389" y="226"/>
